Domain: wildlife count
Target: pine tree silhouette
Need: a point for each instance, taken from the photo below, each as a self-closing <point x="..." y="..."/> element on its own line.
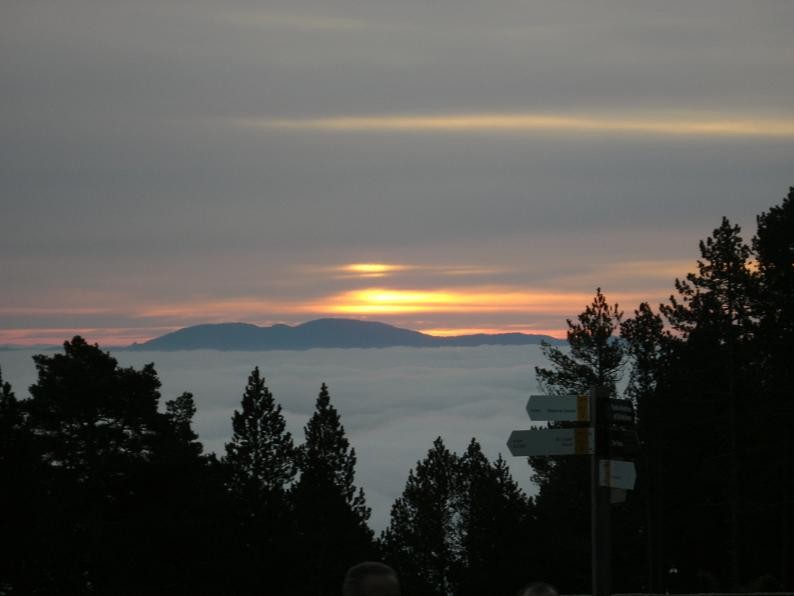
<point x="331" y="513"/>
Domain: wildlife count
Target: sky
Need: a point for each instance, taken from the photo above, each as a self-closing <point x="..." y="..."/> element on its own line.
<point x="445" y="166"/>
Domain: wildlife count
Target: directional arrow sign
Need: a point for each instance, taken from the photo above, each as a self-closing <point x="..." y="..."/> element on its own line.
<point x="617" y="474"/>
<point x="559" y="407"/>
<point x="620" y="411"/>
<point x="551" y="441"/>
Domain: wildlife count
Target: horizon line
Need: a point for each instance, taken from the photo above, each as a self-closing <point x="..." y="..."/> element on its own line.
<point x="17" y="340"/>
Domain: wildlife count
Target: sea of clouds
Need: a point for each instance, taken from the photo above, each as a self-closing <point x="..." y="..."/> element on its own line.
<point x="393" y="402"/>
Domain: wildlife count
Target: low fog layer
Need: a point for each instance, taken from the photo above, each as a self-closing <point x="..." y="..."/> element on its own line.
<point x="393" y="402"/>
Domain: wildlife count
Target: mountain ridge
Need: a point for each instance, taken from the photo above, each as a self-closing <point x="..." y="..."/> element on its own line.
<point x="321" y="333"/>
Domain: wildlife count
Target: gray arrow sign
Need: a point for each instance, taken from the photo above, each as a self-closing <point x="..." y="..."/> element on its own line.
<point x="559" y="407"/>
<point x="617" y="474"/>
<point x="551" y="441"/>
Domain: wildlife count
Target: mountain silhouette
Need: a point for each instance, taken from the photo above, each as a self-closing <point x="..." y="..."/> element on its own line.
<point x="321" y="333"/>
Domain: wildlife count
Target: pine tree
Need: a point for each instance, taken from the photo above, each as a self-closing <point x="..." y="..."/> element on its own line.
<point x="18" y="468"/>
<point x="713" y="316"/>
<point x="595" y="357"/>
<point x="494" y="526"/>
<point x="326" y="457"/>
<point x="773" y="246"/>
<point x="715" y="304"/>
<point x="423" y="537"/>
<point x="330" y="512"/>
<point x="179" y="415"/>
<point x="96" y="427"/>
<point x="91" y="415"/>
<point x="651" y="349"/>
<point x="261" y="456"/>
<point x="11" y="422"/>
<point x="461" y="526"/>
<point x="125" y="484"/>
<point x="261" y="464"/>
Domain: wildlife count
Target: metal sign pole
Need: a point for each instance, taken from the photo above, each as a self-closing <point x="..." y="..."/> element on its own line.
<point x="601" y="555"/>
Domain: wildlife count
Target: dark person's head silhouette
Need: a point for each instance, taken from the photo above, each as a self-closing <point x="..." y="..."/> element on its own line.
<point x="538" y="589"/>
<point x="371" y="579"/>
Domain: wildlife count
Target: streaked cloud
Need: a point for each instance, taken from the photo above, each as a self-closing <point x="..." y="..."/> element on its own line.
<point x="55" y="310"/>
<point x="370" y="269"/>
<point x="372" y="301"/>
<point x="221" y="310"/>
<point x="671" y="125"/>
<point x="373" y="268"/>
<point x="296" y="22"/>
<point x="105" y="336"/>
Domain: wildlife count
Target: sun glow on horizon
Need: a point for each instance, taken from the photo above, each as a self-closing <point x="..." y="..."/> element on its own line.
<point x="460" y="300"/>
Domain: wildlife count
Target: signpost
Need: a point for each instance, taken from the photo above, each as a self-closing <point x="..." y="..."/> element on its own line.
<point x="569" y="408"/>
<point x="609" y="434"/>
<point x="551" y="441"/>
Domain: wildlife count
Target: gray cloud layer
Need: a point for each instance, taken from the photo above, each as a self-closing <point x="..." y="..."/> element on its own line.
<point x="123" y="173"/>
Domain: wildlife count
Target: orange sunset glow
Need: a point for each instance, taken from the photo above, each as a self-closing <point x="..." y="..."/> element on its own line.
<point x="436" y="298"/>
<point x="458" y="300"/>
<point x="385" y="301"/>
<point x="436" y="308"/>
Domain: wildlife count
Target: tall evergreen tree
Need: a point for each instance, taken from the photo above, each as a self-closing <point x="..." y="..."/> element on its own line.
<point x="423" y="538"/>
<point x="594" y="357"/>
<point x="711" y="420"/>
<point x="261" y="465"/>
<point x="713" y="316"/>
<point x="261" y="455"/>
<point x="651" y="350"/>
<point x="21" y="487"/>
<point x="91" y="415"/>
<point x="461" y="526"/>
<point x="773" y="246"/>
<point x="96" y="425"/>
<point x="330" y="512"/>
<point x="496" y="532"/>
<point x="124" y="482"/>
<point x="11" y="423"/>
